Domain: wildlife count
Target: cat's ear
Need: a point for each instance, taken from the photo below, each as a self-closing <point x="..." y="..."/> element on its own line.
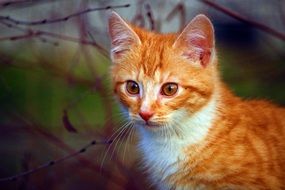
<point x="121" y="34"/>
<point x="197" y="40"/>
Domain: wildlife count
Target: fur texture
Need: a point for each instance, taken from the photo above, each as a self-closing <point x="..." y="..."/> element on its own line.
<point x="202" y="137"/>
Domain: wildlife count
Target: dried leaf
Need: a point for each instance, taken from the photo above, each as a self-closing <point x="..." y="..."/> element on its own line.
<point x="67" y="124"/>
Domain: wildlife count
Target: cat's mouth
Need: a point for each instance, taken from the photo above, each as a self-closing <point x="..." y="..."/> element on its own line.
<point x="149" y="124"/>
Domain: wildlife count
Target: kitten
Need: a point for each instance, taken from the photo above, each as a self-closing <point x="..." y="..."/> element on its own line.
<point x="194" y="133"/>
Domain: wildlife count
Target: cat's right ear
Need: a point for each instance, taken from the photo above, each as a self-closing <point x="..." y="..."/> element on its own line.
<point x="197" y="41"/>
<point x="122" y="36"/>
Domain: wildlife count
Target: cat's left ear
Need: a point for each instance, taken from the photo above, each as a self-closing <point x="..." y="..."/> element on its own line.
<point x="197" y="40"/>
<point x="122" y="36"/>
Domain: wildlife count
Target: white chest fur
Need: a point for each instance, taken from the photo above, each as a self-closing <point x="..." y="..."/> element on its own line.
<point x="161" y="154"/>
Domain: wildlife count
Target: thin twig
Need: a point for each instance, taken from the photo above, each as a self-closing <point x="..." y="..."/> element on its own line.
<point x="139" y="19"/>
<point x="54" y="162"/>
<point x="27" y="33"/>
<point x="19" y="37"/>
<point x="149" y="15"/>
<point x="178" y="9"/>
<point x="21" y="3"/>
<point x="241" y="18"/>
<point x="61" y="19"/>
<point x="30" y="33"/>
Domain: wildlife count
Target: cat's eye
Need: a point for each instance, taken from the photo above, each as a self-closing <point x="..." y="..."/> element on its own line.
<point x="132" y="87"/>
<point x="169" y="89"/>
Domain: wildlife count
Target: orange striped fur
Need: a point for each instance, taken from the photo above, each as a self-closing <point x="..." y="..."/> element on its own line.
<point x="202" y="137"/>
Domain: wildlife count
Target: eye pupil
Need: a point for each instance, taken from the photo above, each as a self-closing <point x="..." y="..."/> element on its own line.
<point x="170" y="88"/>
<point x="134" y="86"/>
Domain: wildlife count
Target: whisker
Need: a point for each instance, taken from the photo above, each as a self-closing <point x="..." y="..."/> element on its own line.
<point x="116" y="134"/>
<point x="111" y="138"/>
<point x="119" y="116"/>
<point x="169" y="130"/>
<point x="128" y="138"/>
<point x="133" y="134"/>
<point x="118" y="139"/>
<point x="177" y="129"/>
<point x="165" y="133"/>
<point x="174" y="130"/>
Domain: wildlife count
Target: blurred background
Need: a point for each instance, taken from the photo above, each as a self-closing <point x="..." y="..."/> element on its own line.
<point x="55" y="94"/>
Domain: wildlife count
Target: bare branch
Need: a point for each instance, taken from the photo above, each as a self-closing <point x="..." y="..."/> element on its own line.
<point x="62" y="19"/>
<point x="29" y="33"/>
<point x="54" y="162"/>
<point x="149" y="14"/>
<point x="178" y="9"/>
<point x="241" y="18"/>
<point x="139" y="18"/>
<point x="21" y="3"/>
<point x="20" y="37"/>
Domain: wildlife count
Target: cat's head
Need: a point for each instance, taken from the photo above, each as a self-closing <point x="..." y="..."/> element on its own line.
<point x="162" y="79"/>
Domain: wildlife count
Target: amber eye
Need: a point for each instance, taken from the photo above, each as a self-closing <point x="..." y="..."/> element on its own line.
<point x="169" y="89"/>
<point x="132" y="87"/>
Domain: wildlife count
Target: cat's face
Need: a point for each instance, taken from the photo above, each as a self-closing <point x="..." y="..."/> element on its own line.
<point x="162" y="79"/>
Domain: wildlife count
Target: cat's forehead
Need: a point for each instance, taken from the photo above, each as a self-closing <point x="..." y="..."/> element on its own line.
<point x="152" y="59"/>
<point x="154" y="54"/>
<point x="157" y="76"/>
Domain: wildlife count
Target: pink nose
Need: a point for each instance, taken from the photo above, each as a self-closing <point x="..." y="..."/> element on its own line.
<point x="146" y="115"/>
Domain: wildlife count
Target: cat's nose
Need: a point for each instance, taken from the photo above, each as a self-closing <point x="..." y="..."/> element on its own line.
<point x="146" y="115"/>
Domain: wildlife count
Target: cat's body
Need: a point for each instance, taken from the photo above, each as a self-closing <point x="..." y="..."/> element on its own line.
<point x="194" y="133"/>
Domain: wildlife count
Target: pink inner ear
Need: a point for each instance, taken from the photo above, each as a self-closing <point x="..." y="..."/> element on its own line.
<point x="118" y="54"/>
<point x="120" y="46"/>
<point x="198" y="48"/>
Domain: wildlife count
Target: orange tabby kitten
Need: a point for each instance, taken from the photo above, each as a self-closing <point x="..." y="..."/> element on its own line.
<point x="194" y="133"/>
